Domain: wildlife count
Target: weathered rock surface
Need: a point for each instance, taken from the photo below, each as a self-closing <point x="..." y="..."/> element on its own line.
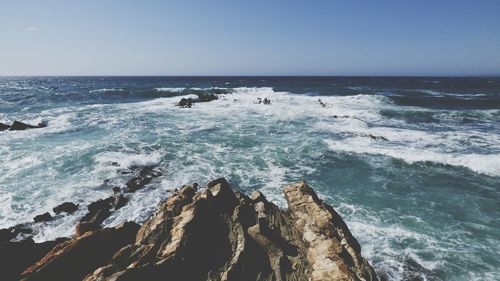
<point x="17" y="256"/>
<point x="205" y="97"/>
<point x="215" y="234"/>
<point x="332" y="252"/>
<point x="73" y="259"/>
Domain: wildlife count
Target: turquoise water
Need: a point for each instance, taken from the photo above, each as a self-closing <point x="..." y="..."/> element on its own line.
<point x="421" y="194"/>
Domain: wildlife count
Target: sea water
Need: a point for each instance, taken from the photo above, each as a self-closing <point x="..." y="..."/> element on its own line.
<point x="411" y="164"/>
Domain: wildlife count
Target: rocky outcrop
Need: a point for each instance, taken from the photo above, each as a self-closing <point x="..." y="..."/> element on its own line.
<point x="202" y="97"/>
<point x="73" y="259"/>
<point x="100" y="210"/>
<point x="20" y="126"/>
<point x="216" y="234"/>
<point x="17" y="256"/>
<point x="145" y="176"/>
<point x="66" y="207"/>
<point x="332" y="252"/>
<point x="43" y="217"/>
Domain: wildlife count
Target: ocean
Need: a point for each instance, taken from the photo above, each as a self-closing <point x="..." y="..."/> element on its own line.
<point x="411" y="164"/>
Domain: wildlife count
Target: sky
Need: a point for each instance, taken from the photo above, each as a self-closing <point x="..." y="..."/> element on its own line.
<point x="257" y="37"/>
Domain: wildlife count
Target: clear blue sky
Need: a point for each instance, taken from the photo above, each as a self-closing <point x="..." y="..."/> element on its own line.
<point x="258" y="37"/>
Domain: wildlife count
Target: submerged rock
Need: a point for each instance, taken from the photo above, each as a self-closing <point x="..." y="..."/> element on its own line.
<point x="189" y="102"/>
<point x="186" y="102"/>
<point x="98" y="211"/>
<point x="207" y="97"/>
<point x="332" y="252"/>
<point x="20" y="126"/>
<point x="66" y="207"/>
<point x="145" y="176"/>
<point x="373" y="137"/>
<point x="42" y="217"/>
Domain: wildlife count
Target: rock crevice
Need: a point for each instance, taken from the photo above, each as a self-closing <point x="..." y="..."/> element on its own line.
<point x="216" y="234"/>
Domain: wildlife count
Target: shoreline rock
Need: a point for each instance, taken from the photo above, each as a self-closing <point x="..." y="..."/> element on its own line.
<point x="66" y="207"/>
<point x="20" y="126"/>
<point x="202" y="97"/>
<point x="216" y="234"/>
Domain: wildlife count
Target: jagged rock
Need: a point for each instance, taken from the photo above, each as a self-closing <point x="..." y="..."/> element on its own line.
<point x="98" y="211"/>
<point x="73" y="259"/>
<point x="92" y="220"/>
<point x="20" y="126"/>
<point x="373" y="137"/>
<point x="186" y="102"/>
<point x="7" y="234"/>
<point x="66" y="207"/>
<point x="207" y="97"/>
<point x="42" y="217"/>
<point x="332" y="252"/>
<point x="216" y="234"/>
<point x="146" y="175"/>
<point x="4" y="127"/>
<point x="17" y="256"/>
<point x="119" y="201"/>
<point x="212" y="234"/>
<point x="189" y="102"/>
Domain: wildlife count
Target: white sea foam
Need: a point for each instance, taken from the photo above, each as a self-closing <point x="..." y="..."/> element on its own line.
<point x="485" y="164"/>
<point x="443" y="94"/>
<point x="171" y="90"/>
<point x="125" y="160"/>
<point x="105" y="90"/>
<point x="255" y="146"/>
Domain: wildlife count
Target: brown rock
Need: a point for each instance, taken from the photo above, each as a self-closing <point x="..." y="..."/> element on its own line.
<point x="73" y="259"/>
<point x="17" y="256"/>
<point x="213" y="234"/>
<point x="332" y="252"/>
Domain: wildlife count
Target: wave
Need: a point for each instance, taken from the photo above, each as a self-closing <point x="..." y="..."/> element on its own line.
<point x="479" y="163"/>
<point x="170" y="90"/>
<point x="443" y="94"/>
<point x="438" y="100"/>
<point x="128" y="160"/>
<point x="107" y="90"/>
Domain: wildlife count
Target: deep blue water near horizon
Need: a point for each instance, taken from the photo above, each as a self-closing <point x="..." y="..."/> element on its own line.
<point x="411" y="164"/>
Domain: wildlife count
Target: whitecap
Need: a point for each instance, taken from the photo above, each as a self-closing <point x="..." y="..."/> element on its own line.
<point x="484" y="164"/>
<point x="105" y="90"/>
<point x="170" y="90"/>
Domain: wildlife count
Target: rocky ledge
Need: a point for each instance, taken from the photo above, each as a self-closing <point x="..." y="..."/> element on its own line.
<point x="215" y="234"/>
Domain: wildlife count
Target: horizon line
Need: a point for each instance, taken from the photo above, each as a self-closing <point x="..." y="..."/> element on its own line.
<point x="161" y="75"/>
